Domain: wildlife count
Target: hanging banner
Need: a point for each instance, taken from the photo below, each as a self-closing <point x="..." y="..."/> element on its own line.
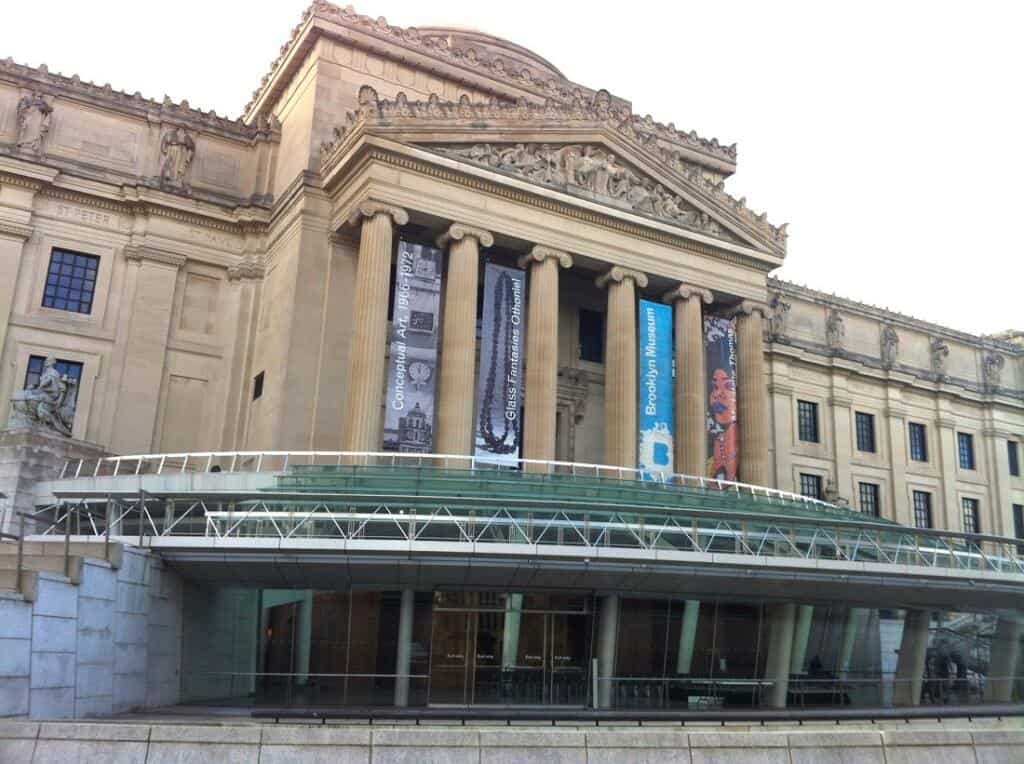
<point x="412" y="366"/>
<point x="655" y="416"/>
<point x="499" y="384"/>
<point x="720" y="363"/>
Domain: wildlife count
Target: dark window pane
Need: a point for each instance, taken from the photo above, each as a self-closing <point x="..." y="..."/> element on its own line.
<point x="865" y="432"/>
<point x="922" y="509"/>
<point x="1013" y="455"/>
<point x="807" y="421"/>
<point x="965" y="447"/>
<point x="918" y="442"/>
<point x="810" y="486"/>
<point x="972" y="519"/>
<point x="70" y="281"/>
<point x="591" y="325"/>
<point x="257" y="386"/>
<point x="869" y="499"/>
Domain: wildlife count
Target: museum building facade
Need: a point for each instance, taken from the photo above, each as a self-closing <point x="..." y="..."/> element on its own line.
<point x="437" y="378"/>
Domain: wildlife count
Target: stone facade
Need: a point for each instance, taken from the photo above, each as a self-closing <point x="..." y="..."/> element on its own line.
<point x="258" y="248"/>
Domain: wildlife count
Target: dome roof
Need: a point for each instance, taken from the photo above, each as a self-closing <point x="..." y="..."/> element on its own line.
<point x="465" y="38"/>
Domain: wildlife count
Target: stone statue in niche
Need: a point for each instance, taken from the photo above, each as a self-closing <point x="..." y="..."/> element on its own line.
<point x="835" y="330"/>
<point x="890" y="346"/>
<point x="992" y="369"/>
<point x="34" y="113"/>
<point x="50" y="404"/>
<point x="779" y="316"/>
<point x="939" y="352"/>
<point x="593" y="169"/>
<point x="177" y="149"/>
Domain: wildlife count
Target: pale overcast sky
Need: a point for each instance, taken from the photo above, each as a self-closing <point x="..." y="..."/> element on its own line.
<point x="889" y="135"/>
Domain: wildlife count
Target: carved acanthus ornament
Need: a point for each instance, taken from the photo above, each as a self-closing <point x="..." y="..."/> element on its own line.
<point x="590" y="167"/>
<point x="33" y="119"/>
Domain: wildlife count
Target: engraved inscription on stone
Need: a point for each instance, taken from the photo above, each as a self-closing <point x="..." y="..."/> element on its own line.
<point x="218" y="169"/>
<point x="86" y="215"/>
<point x="96" y="138"/>
<point x="215" y="239"/>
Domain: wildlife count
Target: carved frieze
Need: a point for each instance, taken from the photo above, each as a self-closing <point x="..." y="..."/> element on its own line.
<point x="33" y="118"/>
<point x="598" y="111"/>
<point x="580" y="167"/>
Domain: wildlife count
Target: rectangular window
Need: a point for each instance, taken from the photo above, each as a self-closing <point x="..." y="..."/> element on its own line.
<point x="70" y="369"/>
<point x="922" y="509"/>
<point x="865" y="432"/>
<point x="1018" y="525"/>
<point x="918" y="442"/>
<point x="807" y="421"/>
<point x="591" y="336"/>
<point x="257" y="386"/>
<point x="71" y="281"/>
<point x="810" y="486"/>
<point x="869" y="499"/>
<point x="972" y="517"/>
<point x="965" y="447"/>
<point x="1013" y="455"/>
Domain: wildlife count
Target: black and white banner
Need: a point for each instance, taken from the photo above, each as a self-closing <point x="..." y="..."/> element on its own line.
<point x="500" y="382"/>
<point x="412" y="367"/>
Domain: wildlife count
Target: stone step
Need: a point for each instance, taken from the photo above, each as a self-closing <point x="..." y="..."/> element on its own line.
<point x="48" y="563"/>
<point x="55" y="548"/>
<point x="29" y="583"/>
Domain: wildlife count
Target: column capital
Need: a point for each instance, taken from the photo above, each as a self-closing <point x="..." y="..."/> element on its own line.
<point x="139" y="255"/>
<point x="618" y="274"/>
<point x="748" y="308"/>
<point x="540" y="253"/>
<point x="459" y="231"/>
<point x="371" y="208"/>
<point x="685" y="292"/>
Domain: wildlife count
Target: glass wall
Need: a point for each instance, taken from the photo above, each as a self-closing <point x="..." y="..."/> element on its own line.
<point x="302" y="647"/>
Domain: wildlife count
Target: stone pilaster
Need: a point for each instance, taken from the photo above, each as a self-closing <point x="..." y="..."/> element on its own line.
<point x="542" y="354"/>
<point x="752" y="395"/>
<point x="458" y="343"/>
<point x="369" y="325"/>
<point x="620" y="380"/>
<point x="690" y="383"/>
<point x="12" y="243"/>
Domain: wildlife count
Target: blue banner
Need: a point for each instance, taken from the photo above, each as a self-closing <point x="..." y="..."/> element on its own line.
<point x="655" y="419"/>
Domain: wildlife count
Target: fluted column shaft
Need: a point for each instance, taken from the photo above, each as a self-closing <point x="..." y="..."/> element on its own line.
<point x="363" y="397"/>
<point x="690" y="388"/>
<point x="752" y="396"/>
<point x="620" y="380"/>
<point x="458" y="343"/>
<point x="542" y="354"/>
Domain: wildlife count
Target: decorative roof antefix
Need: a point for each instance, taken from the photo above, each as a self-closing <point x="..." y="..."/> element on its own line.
<point x="598" y="110"/>
<point x="42" y="80"/>
<point x="494" y="65"/>
<point x="1003" y="342"/>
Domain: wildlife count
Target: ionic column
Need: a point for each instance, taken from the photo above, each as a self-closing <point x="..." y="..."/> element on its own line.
<point x="369" y="325"/>
<point x="752" y="395"/>
<point x="620" y="379"/>
<point x="542" y="354"/>
<point x="458" y="343"/>
<point x="911" y="661"/>
<point x="690" y="384"/>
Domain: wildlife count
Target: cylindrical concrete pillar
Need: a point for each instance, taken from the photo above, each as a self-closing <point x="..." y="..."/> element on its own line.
<point x="403" y="660"/>
<point x="855" y="618"/>
<point x="1005" y="661"/>
<point x="801" y="634"/>
<point x="911" y="661"/>
<point x="620" y="371"/>
<point x="365" y="389"/>
<point x="752" y="395"/>
<point x="607" y="637"/>
<point x="458" y="341"/>
<point x="781" y="625"/>
<point x="687" y="636"/>
<point x="690" y="388"/>
<point x="541" y="354"/>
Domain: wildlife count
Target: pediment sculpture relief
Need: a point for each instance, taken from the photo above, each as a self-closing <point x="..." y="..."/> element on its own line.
<point x="33" y="118"/>
<point x="580" y="167"/>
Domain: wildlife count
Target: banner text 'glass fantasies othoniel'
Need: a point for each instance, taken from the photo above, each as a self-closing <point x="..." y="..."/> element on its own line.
<point x="500" y="381"/>
<point x="655" y="415"/>
<point x="412" y="367"/>
<point x="720" y="366"/>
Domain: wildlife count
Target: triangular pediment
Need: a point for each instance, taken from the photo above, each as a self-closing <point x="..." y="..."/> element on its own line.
<point x="585" y="149"/>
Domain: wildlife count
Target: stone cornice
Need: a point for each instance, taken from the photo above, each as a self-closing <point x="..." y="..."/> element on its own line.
<point x="473" y="120"/>
<point x="475" y="61"/>
<point x="685" y="292"/>
<point x="885" y="316"/>
<point x="149" y="254"/>
<point x="41" y="80"/>
<point x="540" y="253"/>
<point x="15" y="231"/>
<point x="617" y="274"/>
<point x="460" y="231"/>
<point x="679" y="241"/>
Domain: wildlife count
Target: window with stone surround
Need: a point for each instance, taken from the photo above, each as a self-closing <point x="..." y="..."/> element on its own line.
<point x="870" y="501"/>
<point x="865" y="432"/>
<point x="807" y="421"/>
<point x="918" y="442"/>
<point x="972" y="515"/>
<point x="1013" y="456"/>
<point x="70" y="369"/>
<point x="71" y="281"/>
<point x="965" y="448"/>
<point x="810" y="485"/>
<point x="922" y="509"/>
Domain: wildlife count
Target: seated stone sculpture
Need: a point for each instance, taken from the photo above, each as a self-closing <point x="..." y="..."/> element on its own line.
<point x="47" y="404"/>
